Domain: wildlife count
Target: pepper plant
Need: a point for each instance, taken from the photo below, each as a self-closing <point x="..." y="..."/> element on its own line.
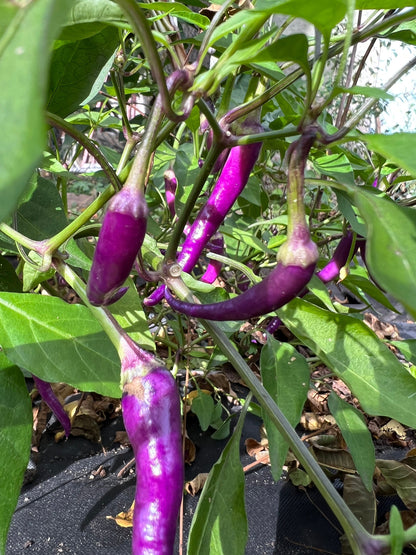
<point x="235" y="141"/>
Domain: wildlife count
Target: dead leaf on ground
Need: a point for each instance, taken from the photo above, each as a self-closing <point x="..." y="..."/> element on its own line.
<point x="194" y="486"/>
<point x="124" y="519"/>
<point x="190" y="450"/>
<point x="383" y="330"/>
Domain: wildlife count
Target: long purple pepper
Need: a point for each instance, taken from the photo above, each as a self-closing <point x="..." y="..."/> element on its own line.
<point x="296" y="260"/>
<point x="231" y="182"/>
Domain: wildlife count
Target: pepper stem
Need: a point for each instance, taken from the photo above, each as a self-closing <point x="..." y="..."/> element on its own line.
<point x="134" y="360"/>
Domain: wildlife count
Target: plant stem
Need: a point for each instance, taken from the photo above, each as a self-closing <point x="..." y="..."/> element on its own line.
<point x="352" y="122"/>
<point x="352" y="527"/>
<point x="89" y="146"/>
<point x="73" y="227"/>
<point x="142" y="28"/>
<point x="298" y="154"/>
<point x="124" y="345"/>
<point x="193" y="196"/>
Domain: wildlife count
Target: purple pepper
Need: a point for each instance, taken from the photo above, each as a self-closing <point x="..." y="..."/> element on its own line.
<point x="171" y="184"/>
<point x="338" y="260"/>
<point x="294" y="270"/>
<point x="283" y="284"/>
<point x="47" y="394"/>
<point x="151" y="413"/>
<point x="119" y="242"/>
<point x="213" y="270"/>
<point x="230" y="184"/>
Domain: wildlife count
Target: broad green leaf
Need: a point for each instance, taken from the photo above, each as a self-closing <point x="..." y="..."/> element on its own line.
<point x="407" y="348"/>
<point x="285" y="374"/>
<point x="78" y="68"/>
<point x="356" y="355"/>
<point x="398" y="148"/>
<point x="203" y="407"/>
<point x="58" y="342"/>
<point x="404" y="33"/>
<point x="361" y="501"/>
<point x="324" y="14"/>
<point x="8" y="11"/>
<point x="402" y="478"/>
<point x="24" y="62"/>
<point x="357" y="437"/>
<point x="8" y="278"/>
<point x="43" y="214"/>
<point x="220" y="524"/>
<point x="358" y="283"/>
<point x="15" y="440"/>
<point x="337" y="166"/>
<point x="391" y="246"/>
<point x="87" y="17"/>
<point x="292" y="48"/>
<point x="129" y="314"/>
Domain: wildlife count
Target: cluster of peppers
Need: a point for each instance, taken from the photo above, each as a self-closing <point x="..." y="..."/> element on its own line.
<point x="150" y="402"/>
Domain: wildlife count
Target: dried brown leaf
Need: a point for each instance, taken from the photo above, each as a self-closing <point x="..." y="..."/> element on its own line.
<point x="196" y="485"/>
<point x="124" y="519"/>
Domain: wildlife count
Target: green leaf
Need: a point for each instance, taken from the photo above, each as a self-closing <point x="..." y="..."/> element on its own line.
<point x="369" y="92"/>
<point x="357" y="282"/>
<point x="337" y="166"/>
<point x="391" y="246"/>
<point x="292" y="48"/>
<point x="357" y="437"/>
<point x="356" y="355"/>
<point x="324" y="14"/>
<point x="24" y="59"/>
<point x="58" y="342"/>
<point x="407" y="348"/>
<point x="203" y="407"/>
<point x="79" y="69"/>
<point x="396" y="532"/>
<point x="8" y="278"/>
<point x="397" y="147"/>
<point x="43" y="214"/>
<point x="404" y="33"/>
<point x="220" y="524"/>
<point x="285" y="375"/>
<point x="15" y="440"/>
<point x="87" y="17"/>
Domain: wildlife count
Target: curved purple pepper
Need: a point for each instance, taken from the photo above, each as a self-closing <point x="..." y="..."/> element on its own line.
<point x="338" y="260"/>
<point x="328" y="272"/>
<point x="295" y="268"/>
<point x="231" y="182"/>
<point x="47" y="394"/>
<point x="213" y="270"/>
<point x="151" y="413"/>
<point x="119" y="242"/>
<point x="283" y="284"/>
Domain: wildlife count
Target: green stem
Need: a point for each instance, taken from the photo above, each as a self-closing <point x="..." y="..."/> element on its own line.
<point x="356" y="533"/>
<point x="347" y="43"/>
<point x="57" y="240"/>
<point x="351" y="123"/>
<point x="359" y="36"/>
<point x="193" y="197"/>
<point x="37" y="246"/>
<point x="298" y="154"/>
<point x="115" y="79"/>
<point x="203" y="49"/>
<point x="57" y="121"/>
<point x="142" y="28"/>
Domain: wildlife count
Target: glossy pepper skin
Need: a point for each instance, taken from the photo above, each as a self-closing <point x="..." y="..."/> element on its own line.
<point x="338" y="260"/>
<point x="230" y="184"/>
<point x="171" y="184"/>
<point x="151" y="413"/>
<point x="119" y="242"/>
<point x="213" y="270"/>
